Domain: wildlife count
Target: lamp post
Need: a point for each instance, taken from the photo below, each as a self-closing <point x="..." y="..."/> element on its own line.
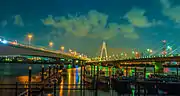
<point x="51" y="44"/>
<point x="62" y="48"/>
<point x="29" y="36"/>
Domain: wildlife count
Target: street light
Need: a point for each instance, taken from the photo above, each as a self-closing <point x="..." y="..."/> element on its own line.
<point x="62" y="48"/>
<point x="150" y="51"/>
<point x="51" y="44"/>
<point x="29" y="36"/>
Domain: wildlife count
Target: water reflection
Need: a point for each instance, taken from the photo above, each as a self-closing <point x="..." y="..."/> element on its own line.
<point x="72" y="80"/>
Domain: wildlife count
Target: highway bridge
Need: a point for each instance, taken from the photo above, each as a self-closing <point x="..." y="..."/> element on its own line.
<point x="139" y="60"/>
<point x="14" y="48"/>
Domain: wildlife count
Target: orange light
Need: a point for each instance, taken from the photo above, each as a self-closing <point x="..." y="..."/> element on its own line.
<point x="62" y="48"/>
<point x="14" y="43"/>
<point x="51" y="44"/>
<point x="29" y="36"/>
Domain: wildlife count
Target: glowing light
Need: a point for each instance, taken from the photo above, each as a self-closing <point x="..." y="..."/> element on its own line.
<point x="62" y="48"/>
<point x="4" y="41"/>
<point x="133" y="52"/>
<point x="30" y="36"/>
<point x="51" y="44"/>
<point x="148" y="50"/>
<point x="77" y="61"/>
<point x="164" y="41"/>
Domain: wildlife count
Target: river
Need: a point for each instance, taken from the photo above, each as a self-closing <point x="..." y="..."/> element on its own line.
<point x="12" y="73"/>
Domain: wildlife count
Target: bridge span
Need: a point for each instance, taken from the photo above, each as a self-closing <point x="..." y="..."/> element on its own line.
<point x="14" y="49"/>
<point x="141" y="60"/>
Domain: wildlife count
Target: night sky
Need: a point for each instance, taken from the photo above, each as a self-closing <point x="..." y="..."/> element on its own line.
<point x="83" y="25"/>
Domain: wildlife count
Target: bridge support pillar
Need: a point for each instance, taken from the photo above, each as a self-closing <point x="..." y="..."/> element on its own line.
<point x="91" y="70"/>
<point x="144" y="72"/>
<point x="29" y="81"/>
<point x="97" y="75"/>
<point x="49" y="72"/>
<point x="81" y="78"/>
<point x="54" y="69"/>
<point x="135" y="71"/>
<point x="126" y="71"/>
<point x="177" y="72"/>
<point x="74" y="63"/>
<point x="57" y="69"/>
<point x="61" y="66"/>
<point x="42" y="73"/>
<point x="54" y="93"/>
<point x="84" y="88"/>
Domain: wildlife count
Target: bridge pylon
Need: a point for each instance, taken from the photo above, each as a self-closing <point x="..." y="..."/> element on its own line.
<point x="103" y="49"/>
<point x="164" y="52"/>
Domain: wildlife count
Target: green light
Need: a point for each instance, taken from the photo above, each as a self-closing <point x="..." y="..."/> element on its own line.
<point x="62" y="59"/>
<point x="77" y="61"/>
<point x="133" y="91"/>
<point x="133" y="52"/>
<point x="100" y="67"/>
<point x="122" y="54"/>
<point x="147" y="75"/>
<point x="69" y="66"/>
<point x="148" y="50"/>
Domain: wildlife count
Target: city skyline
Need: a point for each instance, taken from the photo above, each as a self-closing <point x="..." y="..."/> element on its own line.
<point x="124" y="26"/>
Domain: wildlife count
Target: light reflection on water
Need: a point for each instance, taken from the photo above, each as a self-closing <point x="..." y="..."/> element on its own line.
<point x="72" y="78"/>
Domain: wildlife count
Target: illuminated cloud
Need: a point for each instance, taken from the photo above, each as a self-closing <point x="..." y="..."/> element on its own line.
<point x="137" y="18"/>
<point x="49" y="20"/>
<point x="128" y="28"/>
<point x="94" y="25"/>
<point x="18" y="20"/>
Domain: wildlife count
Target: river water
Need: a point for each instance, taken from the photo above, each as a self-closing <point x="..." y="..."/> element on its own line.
<point x="12" y="73"/>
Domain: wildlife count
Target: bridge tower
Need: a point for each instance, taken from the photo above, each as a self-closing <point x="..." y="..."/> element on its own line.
<point x="103" y="49"/>
<point x="164" y="47"/>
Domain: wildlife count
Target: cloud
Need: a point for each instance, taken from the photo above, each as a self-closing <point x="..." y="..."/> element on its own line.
<point x="171" y="11"/>
<point x="137" y="18"/>
<point x="49" y="20"/>
<point x="129" y="31"/>
<point x="94" y="25"/>
<point x="18" y="20"/>
<point x="128" y="28"/>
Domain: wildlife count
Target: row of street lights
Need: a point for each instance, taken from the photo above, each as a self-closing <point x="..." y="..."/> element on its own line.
<point x="51" y="44"/>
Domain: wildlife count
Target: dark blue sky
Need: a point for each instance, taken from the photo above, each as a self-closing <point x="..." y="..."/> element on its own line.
<point x="82" y="25"/>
